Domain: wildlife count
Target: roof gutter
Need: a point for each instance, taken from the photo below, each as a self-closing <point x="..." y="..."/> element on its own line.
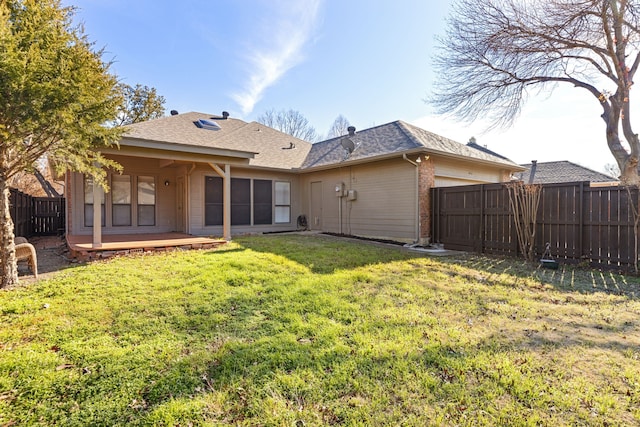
<point x="420" y="150"/>
<point x="360" y="161"/>
<point x="182" y="148"/>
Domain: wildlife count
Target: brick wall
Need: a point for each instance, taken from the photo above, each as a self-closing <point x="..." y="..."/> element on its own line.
<point x="426" y="181"/>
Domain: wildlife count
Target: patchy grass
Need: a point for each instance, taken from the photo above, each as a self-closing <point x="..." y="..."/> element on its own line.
<point x="307" y="330"/>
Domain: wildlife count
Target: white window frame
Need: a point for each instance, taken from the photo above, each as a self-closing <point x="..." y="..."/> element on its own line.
<point x="282" y="202"/>
<point x="127" y="201"/>
<point x="140" y="202"/>
<point x="87" y="190"/>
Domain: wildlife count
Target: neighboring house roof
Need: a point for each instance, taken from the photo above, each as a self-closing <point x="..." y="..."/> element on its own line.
<point x="267" y="147"/>
<point x="561" y="171"/>
<point x="477" y="146"/>
<point x="397" y="137"/>
<point x="270" y="148"/>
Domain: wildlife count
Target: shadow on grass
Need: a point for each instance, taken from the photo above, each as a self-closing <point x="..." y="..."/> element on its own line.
<point x="336" y="357"/>
<point x="50" y="262"/>
<point x="567" y="278"/>
<point x="323" y="254"/>
<point x="312" y="374"/>
<point x="224" y="250"/>
<point x="335" y="375"/>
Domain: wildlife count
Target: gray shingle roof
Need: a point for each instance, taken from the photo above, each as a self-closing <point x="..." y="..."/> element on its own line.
<point x="562" y="171"/>
<point x="477" y="146"/>
<point x="181" y="129"/>
<point x="395" y="137"/>
<point x="278" y="150"/>
<point x="234" y="134"/>
<point x="275" y="149"/>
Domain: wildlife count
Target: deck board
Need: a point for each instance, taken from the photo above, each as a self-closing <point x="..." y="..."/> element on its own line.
<point x="121" y="242"/>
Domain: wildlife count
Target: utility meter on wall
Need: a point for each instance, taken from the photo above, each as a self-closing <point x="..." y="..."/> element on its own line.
<point x="340" y="189"/>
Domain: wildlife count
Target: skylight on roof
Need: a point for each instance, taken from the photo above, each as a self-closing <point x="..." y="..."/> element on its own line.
<point x="207" y="124"/>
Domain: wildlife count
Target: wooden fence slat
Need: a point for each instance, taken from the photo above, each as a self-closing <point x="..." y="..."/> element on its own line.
<point x="36" y="216"/>
<point x="580" y="223"/>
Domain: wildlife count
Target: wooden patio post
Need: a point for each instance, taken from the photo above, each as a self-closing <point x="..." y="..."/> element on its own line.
<point x="226" y="222"/>
<point x="97" y="214"/>
<point x="226" y="198"/>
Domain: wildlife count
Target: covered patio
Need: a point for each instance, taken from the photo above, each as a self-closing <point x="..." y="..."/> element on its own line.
<point x="82" y="246"/>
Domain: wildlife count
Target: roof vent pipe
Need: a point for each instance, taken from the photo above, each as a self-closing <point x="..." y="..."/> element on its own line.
<point x="174" y="112"/>
<point x="225" y="115"/>
<point x="352" y="130"/>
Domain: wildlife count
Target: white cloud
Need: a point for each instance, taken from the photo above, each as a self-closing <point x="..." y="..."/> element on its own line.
<point x="286" y="36"/>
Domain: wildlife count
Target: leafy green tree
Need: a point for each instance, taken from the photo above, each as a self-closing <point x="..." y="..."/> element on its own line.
<point x="56" y="94"/>
<point x="139" y="104"/>
<point x="496" y="53"/>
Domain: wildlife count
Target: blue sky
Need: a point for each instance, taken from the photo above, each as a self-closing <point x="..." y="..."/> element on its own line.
<point x="367" y="60"/>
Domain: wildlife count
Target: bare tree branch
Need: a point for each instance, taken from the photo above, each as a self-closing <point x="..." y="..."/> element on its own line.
<point x="339" y="127"/>
<point x="495" y="54"/>
<point x="291" y="122"/>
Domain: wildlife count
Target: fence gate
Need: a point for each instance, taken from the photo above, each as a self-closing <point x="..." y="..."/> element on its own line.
<point x="36" y="216"/>
<point x="48" y="216"/>
<point x="457" y="217"/>
<point x="474" y="218"/>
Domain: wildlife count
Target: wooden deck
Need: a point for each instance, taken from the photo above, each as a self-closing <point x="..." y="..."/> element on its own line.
<point x="121" y="244"/>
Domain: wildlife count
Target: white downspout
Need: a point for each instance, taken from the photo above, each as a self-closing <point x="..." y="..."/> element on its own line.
<point x="187" y="199"/>
<point x="404" y="156"/>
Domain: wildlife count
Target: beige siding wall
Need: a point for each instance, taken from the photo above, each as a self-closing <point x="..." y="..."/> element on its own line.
<point x="450" y="173"/>
<point x="165" y="199"/>
<point x="196" y="207"/>
<point x="452" y="182"/>
<point x="385" y="206"/>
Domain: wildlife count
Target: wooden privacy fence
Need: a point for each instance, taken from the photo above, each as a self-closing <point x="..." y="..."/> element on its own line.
<point x="36" y="216"/>
<point x="581" y="223"/>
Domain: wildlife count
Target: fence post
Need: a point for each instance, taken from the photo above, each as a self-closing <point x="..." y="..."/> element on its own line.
<point x="512" y="222"/>
<point x="482" y="196"/>
<point x="635" y="231"/>
<point x="581" y="219"/>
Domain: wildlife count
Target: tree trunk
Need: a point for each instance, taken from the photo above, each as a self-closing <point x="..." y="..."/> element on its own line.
<point x="8" y="263"/>
<point x="629" y="174"/>
<point x="627" y="161"/>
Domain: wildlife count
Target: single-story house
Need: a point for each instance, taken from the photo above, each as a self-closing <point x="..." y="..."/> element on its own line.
<point x="206" y="175"/>
<point x="563" y="171"/>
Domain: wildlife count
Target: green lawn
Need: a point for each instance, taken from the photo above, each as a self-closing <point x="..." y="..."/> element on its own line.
<point x="307" y="330"/>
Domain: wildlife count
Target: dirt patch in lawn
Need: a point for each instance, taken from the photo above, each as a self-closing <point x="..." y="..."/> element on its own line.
<point x="53" y="256"/>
